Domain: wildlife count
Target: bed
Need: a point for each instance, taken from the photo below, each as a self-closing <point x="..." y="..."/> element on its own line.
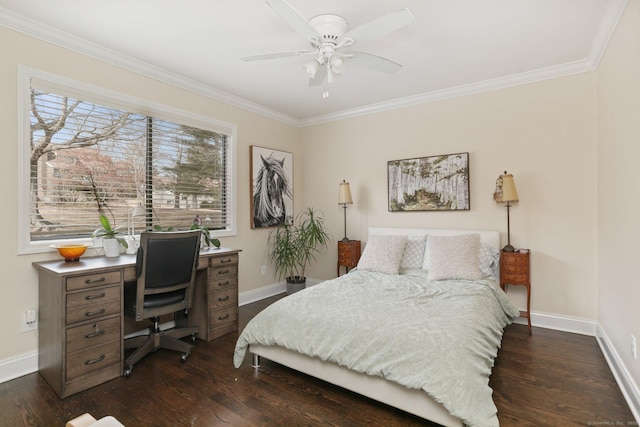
<point x="417" y="325"/>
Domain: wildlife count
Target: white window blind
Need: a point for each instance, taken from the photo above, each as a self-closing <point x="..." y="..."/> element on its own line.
<point x="88" y="158"/>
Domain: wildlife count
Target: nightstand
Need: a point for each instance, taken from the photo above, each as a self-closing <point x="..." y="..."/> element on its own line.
<point x="348" y="254"/>
<point x="514" y="270"/>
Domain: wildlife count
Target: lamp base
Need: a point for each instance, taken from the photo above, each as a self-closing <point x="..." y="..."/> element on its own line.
<point x="508" y="248"/>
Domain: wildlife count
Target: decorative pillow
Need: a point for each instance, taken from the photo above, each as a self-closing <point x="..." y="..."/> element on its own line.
<point x="383" y="254"/>
<point x="454" y="257"/>
<point x="413" y="254"/>
<point x="489" y="258"/>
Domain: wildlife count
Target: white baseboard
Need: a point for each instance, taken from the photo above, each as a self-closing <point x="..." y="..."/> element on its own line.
<point x="556" y="322"/>
<point x="626" y="383"/>
<point x="18" y="366"/>
<point x="268" y="291"/>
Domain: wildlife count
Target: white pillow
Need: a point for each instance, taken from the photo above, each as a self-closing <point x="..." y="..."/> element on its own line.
<point x="454" y="257"/>
<point x="383" y="254"/>
<point x="413" y="254"/>
<point x="489" y="260"/>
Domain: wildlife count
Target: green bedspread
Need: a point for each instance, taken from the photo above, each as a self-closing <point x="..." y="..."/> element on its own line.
<point x="438" y="336"/>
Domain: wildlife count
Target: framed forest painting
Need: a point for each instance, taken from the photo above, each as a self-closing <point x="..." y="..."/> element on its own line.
<point x="271" y="187"/>
<point x="435" y="183"/>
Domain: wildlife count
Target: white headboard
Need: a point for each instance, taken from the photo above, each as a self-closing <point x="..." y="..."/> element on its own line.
<point x="489" y="237"/>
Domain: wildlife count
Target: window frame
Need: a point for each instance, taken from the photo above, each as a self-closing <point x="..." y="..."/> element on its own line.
<point x="88" y="92"/>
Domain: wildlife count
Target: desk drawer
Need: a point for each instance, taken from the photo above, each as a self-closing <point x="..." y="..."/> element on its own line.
<point x="93" y="280"/>
<point x="92" y="359"/>
<point x="223" y="298"/>
<point x="93" y="334"/>
<point x="221" y="261"/>
<point x="223" y="272"/>
<point x="93" y="304"/>
<point x="216" y="284"/>
<point x="223" y="316"/>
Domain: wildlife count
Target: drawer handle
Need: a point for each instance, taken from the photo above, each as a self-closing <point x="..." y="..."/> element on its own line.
<point x="102" y="279"/>
<point x="223" y="318"/>
<point x="95" y="334"/>
<point x="96" y="360"/>
<point x="223" y="283"/>
<point x="224" y="299"/>
<point x="225" y="261"/>
<point x="93" y="313"/>
<point x="223" y="272"/>
<point x="90" y="297"/>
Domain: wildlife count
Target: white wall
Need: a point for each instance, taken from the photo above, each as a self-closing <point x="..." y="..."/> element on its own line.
<point x="18" y="290"/>
<point x="619" y="188"/>
<point x="543" y="133"/>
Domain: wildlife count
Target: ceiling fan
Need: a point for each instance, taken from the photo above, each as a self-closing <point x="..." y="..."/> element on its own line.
<point x="331" y="40"/>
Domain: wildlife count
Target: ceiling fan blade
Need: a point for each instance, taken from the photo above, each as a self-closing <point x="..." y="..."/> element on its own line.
<point x="317" y="80"/>
<point x="275" y="55"/>
<point x="293" y="18"/>
<point x="379" y="27"/>
<point x="374" y="62"/>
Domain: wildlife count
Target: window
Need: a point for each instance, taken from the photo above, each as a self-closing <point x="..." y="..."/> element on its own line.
<point x="92" y="152"/>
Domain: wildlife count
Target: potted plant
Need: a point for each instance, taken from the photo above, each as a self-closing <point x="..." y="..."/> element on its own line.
<point x="111" y="238"/>
<point x="206" y="235"/>
<point x="293" y="246"/>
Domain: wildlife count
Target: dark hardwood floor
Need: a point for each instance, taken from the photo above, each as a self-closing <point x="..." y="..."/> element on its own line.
<point x="547" y="379"/>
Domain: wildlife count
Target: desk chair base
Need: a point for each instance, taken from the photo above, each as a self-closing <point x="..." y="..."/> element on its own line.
<point x="170" y="339"/>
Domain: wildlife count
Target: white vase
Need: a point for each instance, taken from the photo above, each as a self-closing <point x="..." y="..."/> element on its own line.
<point x="111" y="247"/>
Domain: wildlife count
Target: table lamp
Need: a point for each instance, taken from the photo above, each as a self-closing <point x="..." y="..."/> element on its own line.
<point x="344" y="199"/>
<point x="506" y="193"/>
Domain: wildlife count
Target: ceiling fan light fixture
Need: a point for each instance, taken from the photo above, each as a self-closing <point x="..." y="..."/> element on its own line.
<point x="312" y="67"/>
<point x="337" y="64"/>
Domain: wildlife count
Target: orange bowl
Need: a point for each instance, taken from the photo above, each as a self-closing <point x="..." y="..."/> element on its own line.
<point x="71" y="251"/>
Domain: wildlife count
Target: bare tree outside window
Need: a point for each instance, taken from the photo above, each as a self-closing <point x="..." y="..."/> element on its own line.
<point x="88" y="159"/>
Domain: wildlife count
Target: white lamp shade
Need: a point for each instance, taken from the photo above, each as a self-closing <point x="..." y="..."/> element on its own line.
<point x="345" y="194"/>
<point x="509" y="192"/>
<point x="138" y="211"/>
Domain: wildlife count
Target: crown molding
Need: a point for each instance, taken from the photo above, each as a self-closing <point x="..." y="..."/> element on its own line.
<point x="51" y="35"/>
<point x="65" y="40"/>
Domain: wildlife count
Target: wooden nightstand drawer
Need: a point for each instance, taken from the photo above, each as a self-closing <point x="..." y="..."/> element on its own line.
<point x="220" y="273"/>
<point x="514" y="279"/>
<point x="515" y="268"/>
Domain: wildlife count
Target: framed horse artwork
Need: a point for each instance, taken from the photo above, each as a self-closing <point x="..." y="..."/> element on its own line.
<point x="271" y="187"/>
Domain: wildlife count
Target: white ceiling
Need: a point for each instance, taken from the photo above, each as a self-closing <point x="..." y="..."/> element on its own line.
<point x="453" y="47"/>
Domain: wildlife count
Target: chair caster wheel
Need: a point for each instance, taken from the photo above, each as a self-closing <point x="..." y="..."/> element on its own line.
<point x="127" y="372"/>
<point x="184" y="357"/>
<point x="193" y="337"/>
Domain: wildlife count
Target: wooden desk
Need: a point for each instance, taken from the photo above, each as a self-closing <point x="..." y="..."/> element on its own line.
<point x="81" y="316"/>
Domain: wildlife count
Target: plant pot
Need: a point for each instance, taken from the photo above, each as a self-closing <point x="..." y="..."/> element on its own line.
<point x="111" y="247"/>
<point x="295" y="284"/>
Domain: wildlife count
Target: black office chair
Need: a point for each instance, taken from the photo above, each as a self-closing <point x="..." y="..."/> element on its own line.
<point x="166" y="270"/>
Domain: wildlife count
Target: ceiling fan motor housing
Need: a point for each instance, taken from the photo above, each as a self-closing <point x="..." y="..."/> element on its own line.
<point x="332" y="28"/>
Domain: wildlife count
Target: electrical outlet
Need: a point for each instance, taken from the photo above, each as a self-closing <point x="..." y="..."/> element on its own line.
<point x="30" y="321"/>
<point x="263" y="270"/>
<point x="634" y="348"/>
